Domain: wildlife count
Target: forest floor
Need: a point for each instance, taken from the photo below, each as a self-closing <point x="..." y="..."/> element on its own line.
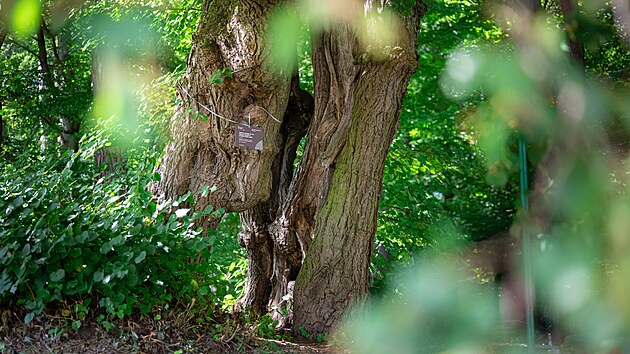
<point x="149" y="337"/>
<point x="162" y="337"/>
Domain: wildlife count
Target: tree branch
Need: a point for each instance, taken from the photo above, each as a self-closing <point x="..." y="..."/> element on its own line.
<point x="3" y="35"/>
<point x="572" y="26"/>
<point x="42" y="55"/>
<point x="182" y="9"/>
<point x="27" y="49"/>
<point x="53" y="42"/>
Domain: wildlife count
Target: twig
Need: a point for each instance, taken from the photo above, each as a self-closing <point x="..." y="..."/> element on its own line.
<point x="232" y="336"/>
<point x="222" y="117"/>
<point x="205" y="107"/>
<point x="182" y="9"/>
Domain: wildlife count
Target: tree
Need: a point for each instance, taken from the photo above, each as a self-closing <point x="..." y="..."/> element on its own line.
<point x="320" y="220"/>
<point x="46" y="74"/>
<point x="3" y="35"/>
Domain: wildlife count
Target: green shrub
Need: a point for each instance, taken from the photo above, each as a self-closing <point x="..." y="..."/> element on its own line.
<point x="69" y="238"/>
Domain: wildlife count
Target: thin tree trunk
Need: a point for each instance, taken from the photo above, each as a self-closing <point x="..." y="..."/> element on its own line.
<point x="42" y="55"/>
<point x="546" y="175"/>
<point x="68" y="135"/>
<point x="3" y="35"/>
<point x="569" y="10"/>
<point x="69" y="126"/>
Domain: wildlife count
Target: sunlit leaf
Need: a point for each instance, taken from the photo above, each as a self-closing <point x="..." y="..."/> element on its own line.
<point x="57" y="275"/>
<point x="26" y="16"/>
<point x="282" y="37"/>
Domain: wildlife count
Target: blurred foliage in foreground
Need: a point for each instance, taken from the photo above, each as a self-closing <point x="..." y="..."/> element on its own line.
<point x="435" y="177"/>
<point x="81" y="245"/>
<point x="576" y="127"/>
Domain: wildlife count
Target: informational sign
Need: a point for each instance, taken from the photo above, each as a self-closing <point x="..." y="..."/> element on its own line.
<point x="248" y="137"/>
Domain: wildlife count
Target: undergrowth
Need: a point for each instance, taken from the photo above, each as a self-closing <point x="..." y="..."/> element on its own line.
<point x="78" y="244"/>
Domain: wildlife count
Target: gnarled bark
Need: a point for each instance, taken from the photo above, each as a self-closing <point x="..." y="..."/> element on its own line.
<point x="203" y="153"/>
<point x="324" y="214"/>
<point x="272" y="262"/>
<point x="358" y="98"/>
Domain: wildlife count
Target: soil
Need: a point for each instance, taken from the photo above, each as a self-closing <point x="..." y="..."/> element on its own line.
<point x="149" y="337"/>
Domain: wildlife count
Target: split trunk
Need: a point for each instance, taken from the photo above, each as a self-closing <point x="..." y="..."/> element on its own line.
<point x="313" y="227"/>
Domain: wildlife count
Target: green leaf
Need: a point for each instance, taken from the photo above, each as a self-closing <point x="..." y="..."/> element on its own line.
<point x="132" y="279"/>
<point x="118" y="240"/>
<point x="183" y="198"/>
<point x="26" y="16"/>
<point x="98" y="276"/>
<point x="29" y="317"/>
<point x="58" y="275"/>
<point x="218" y="213"/>
<point x="304" y="332"/>
<point x="26" y="250"/>
<point x="18" y="202"/>
<point x="26" y="212"/>
<point x="105" y="248"/>
<point x="140" y="257"/>
<point x="181" y="212"/>
<point x="145" y="308"/>
<point x="151" y="207"/>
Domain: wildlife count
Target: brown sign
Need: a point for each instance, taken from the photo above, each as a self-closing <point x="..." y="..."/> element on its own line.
<point x="248" y="137"/>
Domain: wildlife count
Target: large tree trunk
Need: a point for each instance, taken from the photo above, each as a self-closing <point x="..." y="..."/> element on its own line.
<point x="203" y="152"/>
<point x="324" y="214"/>
<point x="358" y="98"/>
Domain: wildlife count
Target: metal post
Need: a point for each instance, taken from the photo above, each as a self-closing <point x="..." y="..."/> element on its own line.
<point x="527" y="256"/>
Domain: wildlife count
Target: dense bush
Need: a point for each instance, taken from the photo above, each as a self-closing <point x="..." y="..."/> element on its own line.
<point x="73" y="240"/>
